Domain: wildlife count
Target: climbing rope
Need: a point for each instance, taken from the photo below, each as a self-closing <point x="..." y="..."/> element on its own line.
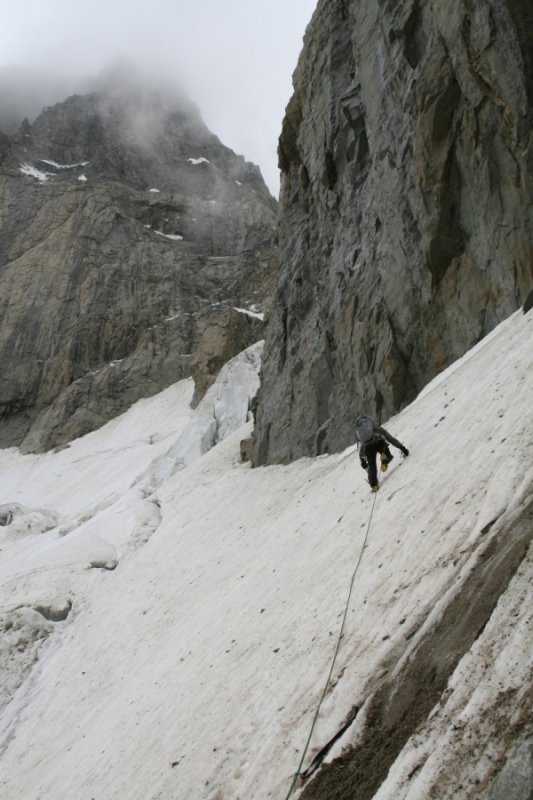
<point x="304" y="775"/>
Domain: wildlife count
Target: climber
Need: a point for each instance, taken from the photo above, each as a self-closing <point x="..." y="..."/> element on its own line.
<point x="371" y="440"/>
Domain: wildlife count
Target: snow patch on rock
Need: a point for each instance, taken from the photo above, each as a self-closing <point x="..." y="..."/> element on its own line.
<point x="250" y="312"/>
<point x="33" y="172"/>
<point x="63" y="166"/>
<point x="175" y="237"/>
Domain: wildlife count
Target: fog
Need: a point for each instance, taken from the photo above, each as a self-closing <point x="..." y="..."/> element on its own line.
<point x="234" y="58"/>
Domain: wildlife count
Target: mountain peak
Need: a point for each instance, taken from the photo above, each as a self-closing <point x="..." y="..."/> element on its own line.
<point x="129" y="210"/>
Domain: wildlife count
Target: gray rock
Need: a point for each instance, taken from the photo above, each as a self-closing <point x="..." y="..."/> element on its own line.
<point x="245" y="449"/>
<point x="108" y="287"/>
<point x="405" y="232"/>
<point x="110" y="564"/>
<point x="7" y="513"/>
<point x="515" y="780"/>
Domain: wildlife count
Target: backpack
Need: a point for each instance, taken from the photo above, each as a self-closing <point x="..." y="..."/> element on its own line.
<point x="364" y="430"/>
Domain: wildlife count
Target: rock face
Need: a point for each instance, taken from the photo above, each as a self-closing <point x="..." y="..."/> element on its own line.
<point x="129" y="237"/>
<point x="405" y="230"/>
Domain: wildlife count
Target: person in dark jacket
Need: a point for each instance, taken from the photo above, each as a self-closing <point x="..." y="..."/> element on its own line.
<point x="371" y="440"/>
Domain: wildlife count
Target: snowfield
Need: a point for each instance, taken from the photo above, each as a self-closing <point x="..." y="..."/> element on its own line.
<point x="170" y="614"/>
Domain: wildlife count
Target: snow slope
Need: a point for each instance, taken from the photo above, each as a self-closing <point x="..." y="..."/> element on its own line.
<point x="188" y="661"/>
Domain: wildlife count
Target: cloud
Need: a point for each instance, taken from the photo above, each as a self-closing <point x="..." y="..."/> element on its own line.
<point x="235" y="58"/>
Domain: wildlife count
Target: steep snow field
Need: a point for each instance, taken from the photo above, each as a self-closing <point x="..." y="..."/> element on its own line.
<point x="187" y="662"/>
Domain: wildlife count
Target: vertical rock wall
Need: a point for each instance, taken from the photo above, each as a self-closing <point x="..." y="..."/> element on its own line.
<point x="132" y="245"/>
<point x="405" y="230"/>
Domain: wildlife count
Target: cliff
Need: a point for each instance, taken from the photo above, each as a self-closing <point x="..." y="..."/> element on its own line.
<point x="405" y="230"/>
<point x="135" y="250"/>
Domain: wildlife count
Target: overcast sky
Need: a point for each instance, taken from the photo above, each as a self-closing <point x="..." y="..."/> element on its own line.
<point x="236" y="57"/>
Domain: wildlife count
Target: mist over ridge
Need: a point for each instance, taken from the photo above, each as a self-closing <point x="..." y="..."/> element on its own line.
<point x="223" y="54"/>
